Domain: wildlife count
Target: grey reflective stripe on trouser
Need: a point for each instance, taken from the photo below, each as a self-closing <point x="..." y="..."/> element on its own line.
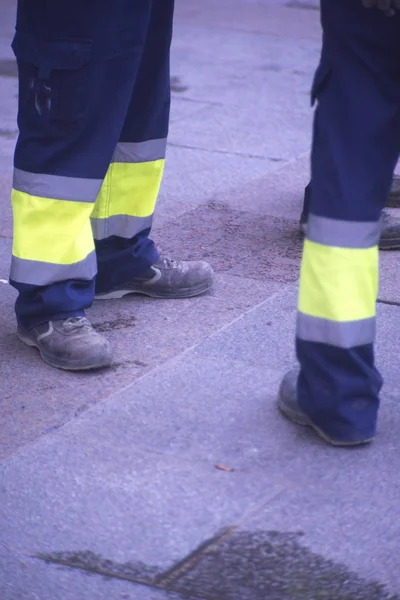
<point x="343" y="234"/>
<point x="138" y="152"/>
<point x="57" y="187"/>
<point x="123" y="226"/>
<point x="343" y="334"/>
<point x="36" y="272"/>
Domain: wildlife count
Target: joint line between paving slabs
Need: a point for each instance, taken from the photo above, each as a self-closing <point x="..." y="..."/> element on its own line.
<point x="225" y="152"/>
<point x="388" y="302"/>
<point x="168" y="578"/>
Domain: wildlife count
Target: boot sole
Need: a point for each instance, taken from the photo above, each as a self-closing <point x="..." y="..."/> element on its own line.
<point x="163" y="294"/>
<point x="294" y="417"/>
<point x="60" y="365"/>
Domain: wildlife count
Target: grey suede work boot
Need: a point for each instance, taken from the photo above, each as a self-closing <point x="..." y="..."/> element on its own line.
<point x="167" y="278"/>
<point x="289" y="407"/>
<point x="70" y="344"/>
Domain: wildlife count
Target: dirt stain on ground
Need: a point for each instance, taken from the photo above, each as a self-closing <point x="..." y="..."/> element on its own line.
<point x="119" y="322"/>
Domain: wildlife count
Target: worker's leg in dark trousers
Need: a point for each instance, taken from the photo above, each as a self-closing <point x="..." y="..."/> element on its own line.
<point x="128" y="261"/>
<point x="123" y="213"/>
<point x="78" y="65"/>
<point x="390" y="221"/>
<point x="355" y="149"/>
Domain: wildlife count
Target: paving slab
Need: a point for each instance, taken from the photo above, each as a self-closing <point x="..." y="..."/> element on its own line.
<point x="276" y="88"/>
<point x="195" y="176"/>
<point x="182" y="107"/>
<point x="236" y="136"/>
<point x="282" y="18"/>
<point x="36" y="399"/>
<point x="236" y="130"/>
<point x="278" y="66"/>
<point x="278" y="192"/>
<point x="91" y="502"/>
<point x="264" y="337"/>
<point x="207" y="409"/>
<point x="250" y="338"/>
<point x="119" y="503"/>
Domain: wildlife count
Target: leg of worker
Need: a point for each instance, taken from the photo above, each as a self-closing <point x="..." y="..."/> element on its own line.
<point x="123" y="213"/>
<point x="355" y="149"/>
<point x="77" y="66"/>
<point x="390" y="221"/>
<point x="127" y="258"/>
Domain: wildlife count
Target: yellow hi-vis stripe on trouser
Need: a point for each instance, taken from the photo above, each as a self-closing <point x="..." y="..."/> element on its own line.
<point x="338" y="291"/>
<point x="53" y="239"/>
<point x="127" y="199"/>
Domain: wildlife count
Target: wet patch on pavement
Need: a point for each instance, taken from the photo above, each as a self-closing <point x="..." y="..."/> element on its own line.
<point x="273" y="565"/>
<point x="261" y="565"/>
<point x="236" y="242"/>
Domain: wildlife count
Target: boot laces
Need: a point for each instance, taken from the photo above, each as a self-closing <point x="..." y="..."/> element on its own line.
<point x="166" y="262"/>
<point x="73" y="323"/>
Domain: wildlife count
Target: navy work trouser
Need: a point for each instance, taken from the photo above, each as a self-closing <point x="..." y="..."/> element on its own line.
<point x="356" y="144"/>
<point x="93" y="116"/>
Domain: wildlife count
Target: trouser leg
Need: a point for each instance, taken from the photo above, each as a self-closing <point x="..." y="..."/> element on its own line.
<point x="355" y="149"/>
<point x="124" y="210"/>
<point x="78" y="61"/>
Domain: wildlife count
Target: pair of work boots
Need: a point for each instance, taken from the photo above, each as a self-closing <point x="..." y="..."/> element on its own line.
<point x="73" y="344"/>
<point x="390" y="232"/>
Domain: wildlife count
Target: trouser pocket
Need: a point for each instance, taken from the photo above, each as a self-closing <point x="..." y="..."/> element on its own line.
<point x="54" y="80"/>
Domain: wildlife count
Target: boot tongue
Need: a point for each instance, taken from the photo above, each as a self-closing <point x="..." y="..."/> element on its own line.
<point x="75" y="320"/>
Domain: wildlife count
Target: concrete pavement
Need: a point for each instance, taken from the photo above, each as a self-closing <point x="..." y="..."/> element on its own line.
<point x="171" y="475"/>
